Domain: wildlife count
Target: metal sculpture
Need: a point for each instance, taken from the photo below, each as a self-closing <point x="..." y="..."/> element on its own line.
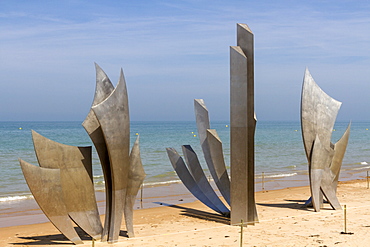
<point x="112" y="114"/>
<point x="239" y="192"/>
<point x="76" y="180"/>
<point x="212" y="149"/>
<point x="194" y="178"/>
<point x="45" y="185"/>
<point x="63" y="185"/>
<point x="339" y="151"/>
<point x="108" y="125"/>
<point x="242" y="128"/>
<point x="201" y="179"/>
<point x="104" y="88"/>
<point x="318" y="114"/>
<point x="136" y="178"/>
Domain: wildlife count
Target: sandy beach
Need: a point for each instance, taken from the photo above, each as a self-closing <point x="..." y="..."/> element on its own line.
<point x="175" y="222"/>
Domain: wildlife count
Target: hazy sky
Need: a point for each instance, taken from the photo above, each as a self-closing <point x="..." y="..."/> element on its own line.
<point x="175" y="51"/>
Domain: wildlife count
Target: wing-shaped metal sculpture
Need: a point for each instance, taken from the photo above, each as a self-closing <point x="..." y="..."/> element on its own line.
<point x="108" y="126"/>
<point x="239" y="192"/>
<point x="136" y="177"/>
<point x="339" y="151"/>
<point x="200" y="178"/>
<point x="104" y="88"/>
<point x="193" y="176"/>
<point x="318" y="114"/>
<point x="187" y="179"/>
<point x="113" y="116"/>
<point x="217" y="156"/>
<point x="76" y="180"/>
<point x="46" y="187"/>
<point x="214" y="160"/>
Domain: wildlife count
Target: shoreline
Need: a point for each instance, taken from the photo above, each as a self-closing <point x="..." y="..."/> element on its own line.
<point x="27" y="212"/>
<point x="282" y="222"/>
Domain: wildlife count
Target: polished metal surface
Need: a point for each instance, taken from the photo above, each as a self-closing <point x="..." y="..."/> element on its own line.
<point x="242" y="127"/>
<point x="103" y="89"/>
<point x="108" y="126"/>
<point x="201" y="180"/>
<point x="217" y="156"/>
<point x="136" y="177"/>
<point x="318" y="114"/>
<point x="320" y="159"/>
<point x="193" y="176"/>
<point x="76" y="180"/>
<point x="339" y="151"/>
<point x="187" y="179"/>
<point x="46" y="187"/>
<point x="113" y="116"/>
<point x="214" y="159"/>
<point x="239" y="192"/>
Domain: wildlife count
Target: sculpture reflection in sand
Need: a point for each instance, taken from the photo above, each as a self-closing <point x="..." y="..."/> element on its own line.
<point x="63" y="185"/>
<point x="318" y="114"/>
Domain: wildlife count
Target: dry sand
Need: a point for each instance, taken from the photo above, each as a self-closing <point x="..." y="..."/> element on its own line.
<point x="282" y="222"/>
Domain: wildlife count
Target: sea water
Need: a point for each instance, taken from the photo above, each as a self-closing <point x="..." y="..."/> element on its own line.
<point x="279" y="151"/>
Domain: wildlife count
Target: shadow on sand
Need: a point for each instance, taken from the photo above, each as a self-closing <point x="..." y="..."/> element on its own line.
<point x="293" y="204"/>
<point x="199" y="214"/>
<point x="57" y="239"/>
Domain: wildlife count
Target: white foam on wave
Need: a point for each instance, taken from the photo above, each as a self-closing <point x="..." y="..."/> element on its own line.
<point x="363" y="163"/>
<point x="281" y="175"/>
<point x="99" y="182"/>
<point x="162" y="183"/>
<point x="14" y="198"/>
<point x="361" y="168"/>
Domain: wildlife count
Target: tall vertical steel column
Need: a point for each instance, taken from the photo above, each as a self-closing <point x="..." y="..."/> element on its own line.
<point x="242" y="128"/>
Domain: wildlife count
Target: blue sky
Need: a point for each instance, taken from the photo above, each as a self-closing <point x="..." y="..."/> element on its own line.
<point x="175" y="51"/>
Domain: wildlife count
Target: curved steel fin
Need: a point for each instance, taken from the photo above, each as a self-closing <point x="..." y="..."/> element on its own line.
<point x="340" y="149"/>
<point x="222" y="177"/>
<point x="76" y="180"/>
<point x="202" y="120"/>
<point x="104" y="86"/>
<point x="318" y="114"/>
<point x="200" y="178"/>
<point x="136" y="177"/>
<point x="113" y="116"/>
<point x="103" y="89"/>
<point x="320" y="161"/>
<point x="187" y="179"/>
<point x="45" y="185"/>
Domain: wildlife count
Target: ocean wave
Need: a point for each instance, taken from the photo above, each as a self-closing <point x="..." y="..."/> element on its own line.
<point x="360" y="168"/>
<point x="291" y="167"/>
<point x="14" y="198"/>
<point x="162" y="183"/>
<point x="99" y="182"/>
<point x="281" y="175"/>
